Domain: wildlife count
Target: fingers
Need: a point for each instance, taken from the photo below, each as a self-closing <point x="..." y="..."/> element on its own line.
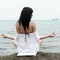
<point x="52" y="35"/>
<point x="4" y="35"/>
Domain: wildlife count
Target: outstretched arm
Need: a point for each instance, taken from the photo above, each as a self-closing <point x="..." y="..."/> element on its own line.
<point x="12" y="39"/>
<point x="6" y="36"/>
<point x="44" y="37"/>
<point x="47" y="36"/>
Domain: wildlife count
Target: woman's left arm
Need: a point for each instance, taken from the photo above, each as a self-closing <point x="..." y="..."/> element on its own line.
<point x="47" y="36"/>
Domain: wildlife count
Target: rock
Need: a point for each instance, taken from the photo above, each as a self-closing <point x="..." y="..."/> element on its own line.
<point x="39" y="56"/>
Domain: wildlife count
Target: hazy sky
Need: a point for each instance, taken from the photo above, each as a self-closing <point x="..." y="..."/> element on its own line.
<point x="43" y="9"/>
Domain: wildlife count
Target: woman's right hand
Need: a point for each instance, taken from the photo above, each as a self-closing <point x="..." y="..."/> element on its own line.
<point x="4" y="35"/>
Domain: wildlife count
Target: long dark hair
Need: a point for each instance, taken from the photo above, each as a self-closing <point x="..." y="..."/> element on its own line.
<point x="25" y="17"/>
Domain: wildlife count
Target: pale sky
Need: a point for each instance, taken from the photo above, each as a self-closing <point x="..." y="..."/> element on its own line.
<point x="43" y="9"/>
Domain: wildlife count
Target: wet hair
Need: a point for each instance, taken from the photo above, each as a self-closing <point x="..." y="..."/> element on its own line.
<point x="25" y="17"/>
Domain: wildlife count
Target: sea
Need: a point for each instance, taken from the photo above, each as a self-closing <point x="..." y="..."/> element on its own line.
<point x="44" y="27"/>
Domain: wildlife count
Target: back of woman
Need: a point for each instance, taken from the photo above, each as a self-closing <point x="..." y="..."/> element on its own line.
<point x="26" y="32"/>
<point x="27" y="41"/>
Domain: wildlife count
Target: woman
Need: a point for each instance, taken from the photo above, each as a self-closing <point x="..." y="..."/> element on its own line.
<point x="26" y="39"/>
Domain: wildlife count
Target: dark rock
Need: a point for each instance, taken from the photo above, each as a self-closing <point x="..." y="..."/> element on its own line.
<point x="39" y="56"/>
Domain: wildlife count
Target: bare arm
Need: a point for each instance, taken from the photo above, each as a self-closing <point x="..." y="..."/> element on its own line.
<point x="47" y="36"/>
<point x="9" y="37"/>
<point x="6" y="36"/>
<point x="44" y="37"/>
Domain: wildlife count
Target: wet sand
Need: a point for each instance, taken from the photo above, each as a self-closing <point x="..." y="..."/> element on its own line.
<point x="39" y="56"/>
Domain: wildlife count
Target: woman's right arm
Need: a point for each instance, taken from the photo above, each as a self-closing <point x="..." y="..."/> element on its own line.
<point x="9" y="37"/>
<point x="17" y="27"/>
<point x="6" y="36"/>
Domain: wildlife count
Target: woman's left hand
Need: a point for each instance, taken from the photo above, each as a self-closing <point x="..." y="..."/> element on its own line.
<point x="52" y="35"/>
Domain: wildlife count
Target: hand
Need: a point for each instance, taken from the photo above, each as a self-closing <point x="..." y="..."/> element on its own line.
<point x="4" y="35"/>
<point x="52" y="35"/>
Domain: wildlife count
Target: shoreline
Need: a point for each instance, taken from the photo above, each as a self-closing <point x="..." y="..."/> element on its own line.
<point x="39" y="56"/>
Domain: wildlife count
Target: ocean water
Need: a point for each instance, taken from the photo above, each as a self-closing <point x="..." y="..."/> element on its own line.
<point x="44" y="27"/>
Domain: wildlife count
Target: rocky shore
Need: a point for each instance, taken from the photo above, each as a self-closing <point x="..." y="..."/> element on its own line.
<point x="40" y="56"/>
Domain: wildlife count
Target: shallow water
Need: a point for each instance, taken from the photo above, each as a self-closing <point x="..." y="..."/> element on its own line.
<point x="44" y="27"/>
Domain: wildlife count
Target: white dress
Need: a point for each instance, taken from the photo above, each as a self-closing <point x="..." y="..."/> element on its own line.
<point x="28" y="46"/>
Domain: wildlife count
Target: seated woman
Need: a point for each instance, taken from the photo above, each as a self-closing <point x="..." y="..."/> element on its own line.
<point x="26" y="39"/>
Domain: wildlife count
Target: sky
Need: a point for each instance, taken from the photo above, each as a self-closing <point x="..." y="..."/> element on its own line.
<point x="43" y="9"/>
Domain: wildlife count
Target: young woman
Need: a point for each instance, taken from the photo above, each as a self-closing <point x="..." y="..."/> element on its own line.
<point x="26" y="39"/>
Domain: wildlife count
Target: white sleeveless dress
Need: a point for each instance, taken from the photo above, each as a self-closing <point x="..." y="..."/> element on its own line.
<point x="28" y="46"/>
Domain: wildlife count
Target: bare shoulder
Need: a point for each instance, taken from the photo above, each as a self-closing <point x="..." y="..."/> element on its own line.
<point x="17" y="27"/>
<point x="33" y="24"/>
